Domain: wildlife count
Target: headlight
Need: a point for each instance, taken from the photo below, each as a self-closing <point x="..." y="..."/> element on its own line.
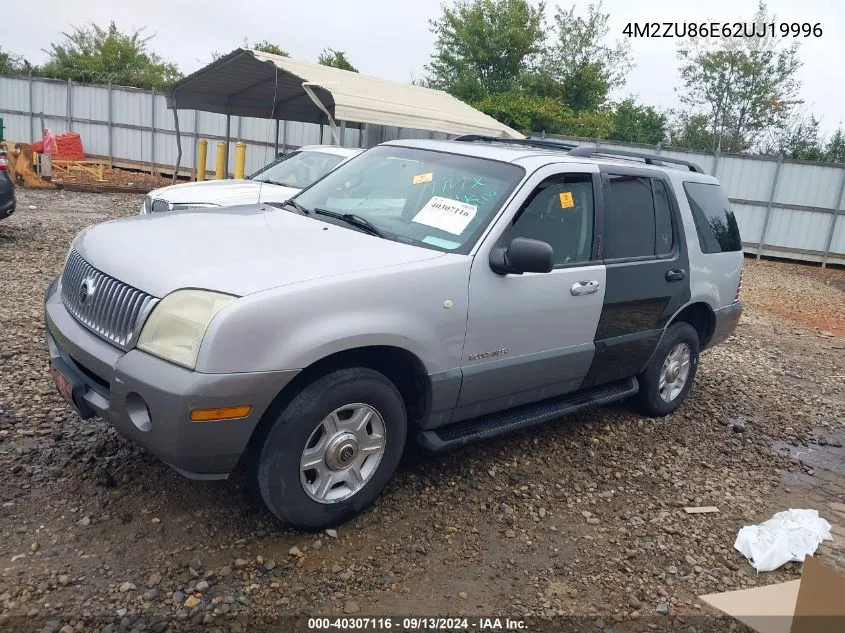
<point x="175" y="329"/>
<point x="148" y="204"/>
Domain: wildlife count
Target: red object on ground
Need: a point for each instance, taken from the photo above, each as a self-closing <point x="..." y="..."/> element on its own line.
<point x="69" y="146"/>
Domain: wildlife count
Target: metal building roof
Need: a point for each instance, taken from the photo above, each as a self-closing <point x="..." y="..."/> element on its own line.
<point x="254" y="84"/>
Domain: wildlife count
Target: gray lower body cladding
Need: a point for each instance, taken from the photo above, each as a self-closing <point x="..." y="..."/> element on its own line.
<point x="727" y="319"/>
<point x="149" y="400"/>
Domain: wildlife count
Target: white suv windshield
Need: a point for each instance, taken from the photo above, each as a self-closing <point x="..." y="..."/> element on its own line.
<point x="298" y="169"/>
<point x="424" y="197"/>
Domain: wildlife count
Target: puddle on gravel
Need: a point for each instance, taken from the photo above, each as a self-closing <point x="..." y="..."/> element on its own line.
<point x="819" y="465"/>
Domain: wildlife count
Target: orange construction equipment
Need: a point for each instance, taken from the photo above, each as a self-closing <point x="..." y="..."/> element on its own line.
<point x="20" y="166"/>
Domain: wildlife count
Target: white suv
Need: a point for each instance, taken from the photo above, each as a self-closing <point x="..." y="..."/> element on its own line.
<point x="280" y="180"/>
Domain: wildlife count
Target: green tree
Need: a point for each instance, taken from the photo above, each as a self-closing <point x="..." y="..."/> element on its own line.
<point x="335" y="59"/>
<point x="634" y="123"/>
<point x="484" y="47"/>
<point x="267" y="47"/>
<point x="92" y="54"/>
<point x="744" y="85"/>
<point x="692" y="131"/>
<point x="523" y="112"/>
<point x="835" y="148"/>
<point x="582" y="62"/>
<point x="594" y="124"/>
<point x="11" y="64"/>
<point x="797" y="137"/>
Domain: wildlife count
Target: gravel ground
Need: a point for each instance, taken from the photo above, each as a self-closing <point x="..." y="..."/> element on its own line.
<point x="580" y="518"/>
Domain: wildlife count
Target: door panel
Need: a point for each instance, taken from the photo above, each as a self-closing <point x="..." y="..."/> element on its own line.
<point x="530" y="336"/>
<point x="642" y="292"/>
<point x="542" y="333"/>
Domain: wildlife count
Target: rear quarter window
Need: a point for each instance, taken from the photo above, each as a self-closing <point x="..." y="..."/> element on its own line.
<point x="714" y="218"/>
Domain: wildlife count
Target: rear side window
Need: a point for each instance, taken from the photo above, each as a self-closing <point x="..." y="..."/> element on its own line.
<point x="629" y="217"/>
<point x="714" y="218"/>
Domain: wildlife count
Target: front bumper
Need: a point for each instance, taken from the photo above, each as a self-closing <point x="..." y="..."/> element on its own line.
<point x="726" y="321"/>
<point x="149" y="400"/>
<point x="7" y="204"/>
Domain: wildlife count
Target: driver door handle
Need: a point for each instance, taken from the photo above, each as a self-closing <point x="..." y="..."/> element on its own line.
<point x="584" y="288"/>
<point x="676" y="275"/>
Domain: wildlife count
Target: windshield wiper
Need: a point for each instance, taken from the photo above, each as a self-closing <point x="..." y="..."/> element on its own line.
<point x="271" y="182"/>
<point x="297" y="206"/>
<point x="353" y="220"/>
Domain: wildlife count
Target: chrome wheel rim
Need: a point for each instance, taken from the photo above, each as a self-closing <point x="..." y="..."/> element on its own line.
<point x="675" y="372"/>
<point x="342" y="453"/>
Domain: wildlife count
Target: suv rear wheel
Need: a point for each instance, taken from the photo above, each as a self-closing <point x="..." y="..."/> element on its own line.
<point x="333" y="449"/>
<point x="669" y="375"/>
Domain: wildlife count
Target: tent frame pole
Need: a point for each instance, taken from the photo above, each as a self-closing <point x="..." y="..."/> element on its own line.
<point x="178" y="144"/>
<point x="228" y="140"/>
<point x="306" y="86"/>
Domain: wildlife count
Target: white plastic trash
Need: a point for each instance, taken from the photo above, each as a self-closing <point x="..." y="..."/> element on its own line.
<point x="787" y="536"/>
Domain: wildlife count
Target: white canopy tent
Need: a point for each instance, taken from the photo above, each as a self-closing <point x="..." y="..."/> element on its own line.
<point x="254" y="84"/>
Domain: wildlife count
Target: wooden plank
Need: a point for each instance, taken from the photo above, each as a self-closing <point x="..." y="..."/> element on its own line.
<point x="701" y="509"/>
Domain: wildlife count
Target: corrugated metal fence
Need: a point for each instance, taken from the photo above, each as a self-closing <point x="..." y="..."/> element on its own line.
<point x="784" y="208"/>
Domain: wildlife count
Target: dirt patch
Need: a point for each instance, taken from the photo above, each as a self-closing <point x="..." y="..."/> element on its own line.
<point x="803" y="294"/>
<point x="114" y="177"/>
<point x="577" y="524"/>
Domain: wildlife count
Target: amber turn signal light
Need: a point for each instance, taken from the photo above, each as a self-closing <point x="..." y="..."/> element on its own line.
<point x="223" y="413"/>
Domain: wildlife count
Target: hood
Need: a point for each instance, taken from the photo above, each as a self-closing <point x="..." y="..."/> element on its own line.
<point x="236" y="250"/>
<point x="225" y="192"/>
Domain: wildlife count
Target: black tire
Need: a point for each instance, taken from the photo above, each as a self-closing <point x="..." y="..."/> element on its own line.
<point x="648" y="401"/>
<point x="277" y="471"/>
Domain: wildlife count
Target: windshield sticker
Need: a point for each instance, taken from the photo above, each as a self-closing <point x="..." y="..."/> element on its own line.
<point x="566" y="200"/>
<point x="447" y="215"/>
<point x="436" y="241"/>
<point x="421" y="178"/>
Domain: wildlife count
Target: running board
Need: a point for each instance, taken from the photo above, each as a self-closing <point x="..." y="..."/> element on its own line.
<point x="477" y="429"/>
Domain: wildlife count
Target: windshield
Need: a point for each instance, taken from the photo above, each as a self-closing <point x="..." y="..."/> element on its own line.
<point x="423" y="197"/>
<point x="298" y="169"/>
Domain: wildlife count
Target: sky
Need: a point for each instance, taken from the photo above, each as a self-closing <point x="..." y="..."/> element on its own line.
<point x="392" y="38"/>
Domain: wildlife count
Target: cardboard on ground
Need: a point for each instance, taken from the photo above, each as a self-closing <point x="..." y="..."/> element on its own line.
<point x="813" y="604"/>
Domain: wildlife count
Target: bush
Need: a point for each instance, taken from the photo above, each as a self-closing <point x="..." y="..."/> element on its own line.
<point x="524" y="113"/>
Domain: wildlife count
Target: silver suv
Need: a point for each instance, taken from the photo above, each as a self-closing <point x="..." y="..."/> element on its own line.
<point x="441" y="292"/>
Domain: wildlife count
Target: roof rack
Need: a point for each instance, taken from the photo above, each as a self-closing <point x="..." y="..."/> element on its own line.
<point x="586" y="151"/>
<point x="583" y="151"/>
<point x="528" y="142"/>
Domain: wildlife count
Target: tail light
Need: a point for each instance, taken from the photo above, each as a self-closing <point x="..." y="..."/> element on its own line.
<point x="739" y="285"/>
<point x="3" y="164"/>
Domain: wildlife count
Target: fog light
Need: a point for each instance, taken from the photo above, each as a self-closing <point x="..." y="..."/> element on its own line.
<point x="138" y="412"/>
<point x="222" y="413"/>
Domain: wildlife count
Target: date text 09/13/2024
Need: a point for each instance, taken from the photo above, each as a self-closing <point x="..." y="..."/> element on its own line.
<point x="722" y="29"/>
<point x="415" y="624"/>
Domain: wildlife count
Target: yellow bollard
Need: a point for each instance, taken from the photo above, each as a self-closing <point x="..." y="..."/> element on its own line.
<point x="240" y="159"/>
<point x="202" y="155"/>
<point x="220" y="172"/>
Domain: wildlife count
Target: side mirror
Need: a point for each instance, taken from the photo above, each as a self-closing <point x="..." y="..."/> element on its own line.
<point x="522" y="255"/>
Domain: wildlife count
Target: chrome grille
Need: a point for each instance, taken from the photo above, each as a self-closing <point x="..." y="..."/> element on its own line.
<point x="160" y="206"/>
<point x="112" y="310"/>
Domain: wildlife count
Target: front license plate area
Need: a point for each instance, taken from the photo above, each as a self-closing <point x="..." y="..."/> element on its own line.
<point x="63" y="383"/>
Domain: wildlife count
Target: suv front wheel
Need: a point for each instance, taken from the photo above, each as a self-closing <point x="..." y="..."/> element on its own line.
<point x="669" y="375"/>
<point x="332" y="449"/>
